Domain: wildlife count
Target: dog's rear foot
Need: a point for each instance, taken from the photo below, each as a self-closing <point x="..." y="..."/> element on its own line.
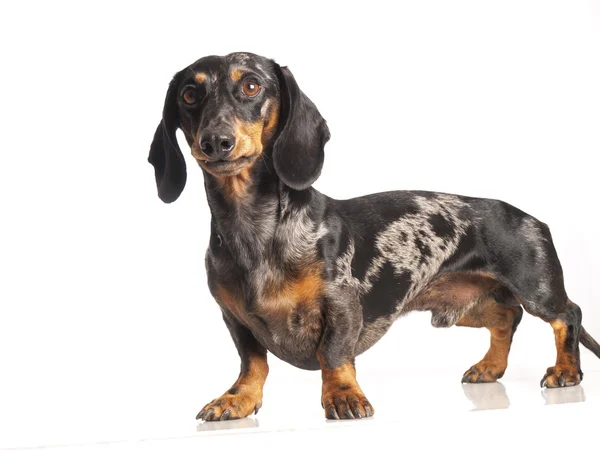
<point x="561" y="376"/>
<point x="483" y="372"/>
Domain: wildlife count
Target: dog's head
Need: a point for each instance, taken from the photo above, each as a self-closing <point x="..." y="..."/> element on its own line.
<point x="231" y="109"/>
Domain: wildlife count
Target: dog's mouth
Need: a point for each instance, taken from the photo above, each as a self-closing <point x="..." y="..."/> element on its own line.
<point x="226" y="167"/>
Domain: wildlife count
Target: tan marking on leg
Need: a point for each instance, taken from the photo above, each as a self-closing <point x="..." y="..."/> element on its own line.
<point x="244" y="397"/>
<point x="499" y="321"/>
<point x="566" y="371"/>
<point x="560" y="336"/>
<point x="342" y="397"/>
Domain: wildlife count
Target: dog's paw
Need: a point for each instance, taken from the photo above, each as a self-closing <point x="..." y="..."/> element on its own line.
<point x="346" y="402"/>
<point x="561" y="376"/>
<point x="230" y="406"/>
<point x="483" y="372"/>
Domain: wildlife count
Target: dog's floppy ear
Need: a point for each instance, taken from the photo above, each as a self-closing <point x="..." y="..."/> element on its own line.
<point x="165" y="155"/>
<point x="298" y="151"/>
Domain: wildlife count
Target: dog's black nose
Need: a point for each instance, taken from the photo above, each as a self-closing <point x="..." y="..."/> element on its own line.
<point x="216" y="144"/>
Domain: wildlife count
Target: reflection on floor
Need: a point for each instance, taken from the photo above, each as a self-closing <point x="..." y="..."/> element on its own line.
<point x="520" y="395"/>
<point x="433" y="405"/>
<point x="486" y="396"/>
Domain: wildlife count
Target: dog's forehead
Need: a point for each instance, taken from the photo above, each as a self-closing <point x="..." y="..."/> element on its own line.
<point x="218" y="66"/>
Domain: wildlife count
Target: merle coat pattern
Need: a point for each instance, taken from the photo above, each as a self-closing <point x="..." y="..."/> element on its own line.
<point x="317" y="281"/>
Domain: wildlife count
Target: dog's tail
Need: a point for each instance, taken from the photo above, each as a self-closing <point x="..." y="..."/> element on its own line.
<point x="589" y="342"/>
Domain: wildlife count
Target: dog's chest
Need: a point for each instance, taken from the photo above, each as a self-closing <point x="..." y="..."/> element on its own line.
<point x="283" y="309"/>
<point x="271" y="281"/>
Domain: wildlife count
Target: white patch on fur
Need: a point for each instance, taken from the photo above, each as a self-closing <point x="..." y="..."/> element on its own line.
<point x="403" y="254"/>
<point x="298" y="235"/>
<point x="405" y="257"/>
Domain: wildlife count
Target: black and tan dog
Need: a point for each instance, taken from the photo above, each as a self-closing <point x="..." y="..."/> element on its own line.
<point x="318" y="281"/>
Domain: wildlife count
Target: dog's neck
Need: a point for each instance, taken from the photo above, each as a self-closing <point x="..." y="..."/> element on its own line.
<point x="264" y="211"/>
<point x="245" y="209"/>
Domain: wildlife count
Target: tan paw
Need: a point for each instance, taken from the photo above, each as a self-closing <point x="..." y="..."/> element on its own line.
<point x="231" y="406"/>
<point x="346" y="402"/>
<point x="483" y="372"/>
<point x="561" y="376"/>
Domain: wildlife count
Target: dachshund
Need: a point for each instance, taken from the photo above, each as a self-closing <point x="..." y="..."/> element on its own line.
<point x="317" y="281"/>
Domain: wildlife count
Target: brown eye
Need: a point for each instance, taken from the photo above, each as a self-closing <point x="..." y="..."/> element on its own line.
<point x="190" y="96"/>
<point x="250" y="88"/>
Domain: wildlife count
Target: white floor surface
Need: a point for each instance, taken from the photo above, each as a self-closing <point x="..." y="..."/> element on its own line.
<point x="412" y="411"/>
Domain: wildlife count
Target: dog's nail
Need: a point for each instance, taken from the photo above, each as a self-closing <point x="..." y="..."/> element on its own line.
<point x="561" y="381"/>
<point x="225" y="415"/>
<point x="209" y="415"/>
<point x="348" y="413"/>
<point x="332" y="413"/>
<point x="368" y="410"/>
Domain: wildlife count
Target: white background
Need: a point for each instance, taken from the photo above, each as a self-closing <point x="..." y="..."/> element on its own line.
<point x="105" y="317"/>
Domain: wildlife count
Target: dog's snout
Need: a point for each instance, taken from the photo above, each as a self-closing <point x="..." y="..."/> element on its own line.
<point x="216" y="143"/>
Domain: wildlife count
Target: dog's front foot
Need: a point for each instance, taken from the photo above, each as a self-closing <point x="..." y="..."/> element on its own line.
<point x="231" y="406"/>
<point x="484" y="372"/>
<point x="342" y="397"/>
<point x="346" y="402"/>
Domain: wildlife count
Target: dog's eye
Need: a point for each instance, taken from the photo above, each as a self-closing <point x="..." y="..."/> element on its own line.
<point x="250" y="88"/>
<point x="190" y="96"/>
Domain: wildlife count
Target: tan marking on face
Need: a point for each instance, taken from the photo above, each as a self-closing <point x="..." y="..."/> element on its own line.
<point x="252" y="137"/>
<point x="236" y="74"/>
<point x="248" y="138"/>
<point x="270" y="127"/>
<point x="201" y="77"/>
<point x="250" y="141"/>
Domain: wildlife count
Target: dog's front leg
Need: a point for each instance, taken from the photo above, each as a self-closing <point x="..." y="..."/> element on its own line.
<point x="245" y="396"/>
<point x="342" y="397"/>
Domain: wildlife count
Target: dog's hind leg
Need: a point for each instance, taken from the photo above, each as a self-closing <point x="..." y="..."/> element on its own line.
<point x="537" y="281"/>
<point x="567" y="329"/>
<point x="501" y="318"/>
